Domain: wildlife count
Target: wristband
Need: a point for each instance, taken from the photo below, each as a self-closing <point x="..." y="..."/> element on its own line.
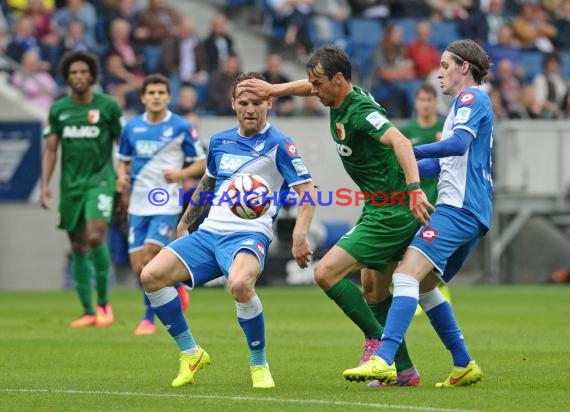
<point x="413" y="186"/>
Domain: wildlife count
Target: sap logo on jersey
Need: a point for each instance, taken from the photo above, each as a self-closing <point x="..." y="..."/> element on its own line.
<point x="376" y="120"/>
<point x="230" y="163"/>
<point x="147" y="148"/>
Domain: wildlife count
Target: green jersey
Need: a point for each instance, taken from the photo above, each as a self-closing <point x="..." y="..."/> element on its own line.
<point x="86" y="133"/>
<point x="424" y="135"/>
<point x="356" y="127"/>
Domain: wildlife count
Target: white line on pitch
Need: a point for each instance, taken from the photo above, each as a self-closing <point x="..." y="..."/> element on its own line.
<point x="238" y="398"/>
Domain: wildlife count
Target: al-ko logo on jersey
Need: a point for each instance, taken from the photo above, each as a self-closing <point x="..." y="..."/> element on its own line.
<point x="341" y="197"/>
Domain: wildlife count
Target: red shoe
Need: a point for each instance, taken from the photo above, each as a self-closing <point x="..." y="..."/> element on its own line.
<point x="85" y="320"/>
<point x="184" y="297"/>
<point x="104" y="315"/>
<point x="146" y="327"/>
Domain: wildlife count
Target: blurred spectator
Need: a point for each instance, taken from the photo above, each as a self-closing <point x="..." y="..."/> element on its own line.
<point x="219" y="45"/>
<point x="187" y="105"/>
<point x="311" y="107"/>
<point x="120" y="83"/>
<point x="46" y="31"/>
<point x="119" y="43"/>
<point x="448" y="9"/>
<point x="75" y="38"/>
<point x="18" y="7"/>
<point x="529" y="108"/>
<point x="294" y="15"/>
<point x="508" y="84"/>
<point x="219" y="100"/>
<point x="505" y="48"/>
<point x="337" y="9"/>
<point x="3" y="34"/>
<point x="182" y="59"/>
<point x="474" y="26"/>
<point x="562" y="24"/>
<point x="127" y="10"/>
<point x="23" y="39"/>
<point x="158" y="23"/>
<point x="551" y="88"/>
<point x="408" y="8"/>
<point x="370" y="9"/>
<point x="499" y="109"/>
<point x="424" y="55"/>
<point x="533" y="29"/>
<point x="391" y="60"/>
<point x="34" y="81"/>
<point x="78" y="10"/>
<point x="282" y="105"/>
<point x="496" y="18"/>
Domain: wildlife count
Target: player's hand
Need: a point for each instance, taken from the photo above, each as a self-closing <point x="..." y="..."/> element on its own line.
<point x="257" y="87"/>
<point x="45" y="197"/>
<point x="420" y="206"/>
<point x="123" y="184"/>
<point x="172" y="175"/>
<point x="302" y="252"/>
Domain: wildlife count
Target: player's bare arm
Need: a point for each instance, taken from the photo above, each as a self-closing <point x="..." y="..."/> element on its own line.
<point x="48" y="164"/>
<point x="302" y="251"/>
<point x="194" y="170"/>
<point x="123" y="176"/>
<point x="419" y="204"/>
<point x="265" y="90"/>
<point x="192" y="213"/>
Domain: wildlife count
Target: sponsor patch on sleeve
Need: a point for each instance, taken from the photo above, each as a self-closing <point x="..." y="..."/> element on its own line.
<point x="291" y="149"/>
<point x="462" y="115"/>
<point x="300" y="167"/>
<point x="467" y="98"/>
<point x="194" y="133"/>
<point x="376" y="120"/>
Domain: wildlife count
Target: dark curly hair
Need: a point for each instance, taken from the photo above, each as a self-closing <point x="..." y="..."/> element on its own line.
<point x="80" y="56"/>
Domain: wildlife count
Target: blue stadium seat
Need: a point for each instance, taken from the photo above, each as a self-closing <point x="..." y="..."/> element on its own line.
<point x="326" y="30"/>
<point x="532" y="63"/>
<point x="443" y="33"/>
<point x="408" y="25"/>
<point x="270" y="23"/>
<point x="364" y="36"/>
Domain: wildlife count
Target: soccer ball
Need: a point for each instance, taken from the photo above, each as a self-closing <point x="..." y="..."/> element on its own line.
<point x="249" y="196"/>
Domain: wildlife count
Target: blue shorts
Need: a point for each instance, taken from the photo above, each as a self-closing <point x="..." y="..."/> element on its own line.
<point x="449" y="238"/>
<point x="209" y="255"/>
<point x="157" y="229"/>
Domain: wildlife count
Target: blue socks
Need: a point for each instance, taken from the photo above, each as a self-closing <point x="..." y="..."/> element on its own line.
<point x="250" y="318"/>
<point x="400" y="315"/>
<point x="166" y="305"/>
<point x="443" y="321"/>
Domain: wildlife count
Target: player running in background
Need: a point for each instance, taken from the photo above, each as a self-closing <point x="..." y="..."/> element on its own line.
<point x="378" y="158"/>
<point x="426" y="128"/>
<point x="226" y="244"/>
<point x="462" y="159"/>
<point x="153" y="149"/>
<point x="84" y="124"/>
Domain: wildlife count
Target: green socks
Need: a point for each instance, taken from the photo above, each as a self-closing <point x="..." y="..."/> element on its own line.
<point x="380" y="311"/>
<point x="101" y="259"/>
<point x="81" y="269"/>
<point x="349" y="298"/>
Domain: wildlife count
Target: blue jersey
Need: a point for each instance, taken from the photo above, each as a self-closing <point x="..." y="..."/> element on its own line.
<point x="465" y="181"/>
<point x="151" y="148"/>
<point x="269" y="154"/>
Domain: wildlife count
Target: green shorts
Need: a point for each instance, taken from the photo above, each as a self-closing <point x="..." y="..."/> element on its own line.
<point x="380" y="237"/>
<point x="94" y="204"/>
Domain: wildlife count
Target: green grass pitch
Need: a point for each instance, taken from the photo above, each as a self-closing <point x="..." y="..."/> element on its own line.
<point x="520" y="335"/>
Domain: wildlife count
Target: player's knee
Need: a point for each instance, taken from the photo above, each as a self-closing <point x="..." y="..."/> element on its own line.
<point x="78" y="248"/>
<point x="322" y="276"/>
<point x="240" y="288"/>
<point x="95" y="239"/>
<point x="151" y="279"/>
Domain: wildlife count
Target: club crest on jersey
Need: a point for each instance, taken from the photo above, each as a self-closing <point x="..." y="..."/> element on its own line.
<point x="291" y="149"/>
<point x="429" y="234"/>
<point x="467" y="98"/>
<point x="259" y="145"/>
<point x="93" y="116"/>
<point x="168" y="132"/>
<point x="340" y="131"/>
